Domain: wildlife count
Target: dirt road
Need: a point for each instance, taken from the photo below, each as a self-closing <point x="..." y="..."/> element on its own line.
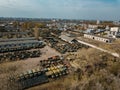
<point x="101" y="49"/>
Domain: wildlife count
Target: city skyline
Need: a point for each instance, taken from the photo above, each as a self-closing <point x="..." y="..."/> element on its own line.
<point x="65" y="9"/>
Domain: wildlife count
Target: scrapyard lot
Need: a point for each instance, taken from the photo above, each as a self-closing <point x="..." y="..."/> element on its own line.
<point x="10" y="68"/>
<point x="54" y="74"/>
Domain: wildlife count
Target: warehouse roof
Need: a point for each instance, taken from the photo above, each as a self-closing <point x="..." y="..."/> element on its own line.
<point x="66" y="38"/>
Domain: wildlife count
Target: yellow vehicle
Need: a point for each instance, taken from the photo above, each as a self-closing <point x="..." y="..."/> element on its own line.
<point x="55" y="67"/>
<point x="49" y="73"/>
<point x="51" y="68"/>
<point x="59" y="72"/>
<point x="56" y="72"/>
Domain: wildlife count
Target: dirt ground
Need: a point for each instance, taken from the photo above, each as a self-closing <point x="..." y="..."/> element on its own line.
<point x="16" y="67"/>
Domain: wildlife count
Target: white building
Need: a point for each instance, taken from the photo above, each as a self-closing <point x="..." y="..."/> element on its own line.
<point x="114" y="32"/>
<point x="107" y="28"/>
<point x="98" y="22"/>
<point x="92" y="26"/>
<point x="98" y="38"/>
<point x="116" y="22"/>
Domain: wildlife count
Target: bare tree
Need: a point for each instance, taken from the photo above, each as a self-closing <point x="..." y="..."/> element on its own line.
<point x="36" y="32"/>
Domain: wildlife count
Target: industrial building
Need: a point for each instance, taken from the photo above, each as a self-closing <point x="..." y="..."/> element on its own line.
<point x="114" y="32"/>
<point x="98" y="38"/>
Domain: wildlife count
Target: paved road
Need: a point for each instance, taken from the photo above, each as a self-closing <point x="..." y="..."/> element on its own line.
<point x="101" y="49"/>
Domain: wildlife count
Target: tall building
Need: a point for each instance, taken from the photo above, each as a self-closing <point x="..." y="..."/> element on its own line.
<point x="98" y="22"/>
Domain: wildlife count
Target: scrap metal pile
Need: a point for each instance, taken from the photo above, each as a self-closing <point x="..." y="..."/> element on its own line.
<point x="52" y="68"/>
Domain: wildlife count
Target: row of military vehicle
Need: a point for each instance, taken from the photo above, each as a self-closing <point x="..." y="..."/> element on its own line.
<point x="19" y="55"/>
<point x="66" y="47"/>
<point x="51" y="72"/>
<point x="10" y="35"/>
<point x="17" y="39"/>
<point x="54" y="66"/>
<point x="55" y="60"/>
<point x="20" y="46"/>
<point x="42" y="75"/>
<point x="39" y="76"/>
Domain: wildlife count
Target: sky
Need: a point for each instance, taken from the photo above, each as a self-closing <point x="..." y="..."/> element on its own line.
<point x="65" y="9"/>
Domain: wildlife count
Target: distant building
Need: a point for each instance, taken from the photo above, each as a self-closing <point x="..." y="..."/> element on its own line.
<point x="107" y="28"/>
<point x="98" y="38"/>
<point x="92" y="26"/>
<point x="114" y="32"/>
<point x="98" y="22"/>
<point x="89" y="31"/>
<point x="116" y="22"/>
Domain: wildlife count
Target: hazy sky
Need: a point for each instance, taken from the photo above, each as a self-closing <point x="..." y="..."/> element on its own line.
<point x="69" y="9"/>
